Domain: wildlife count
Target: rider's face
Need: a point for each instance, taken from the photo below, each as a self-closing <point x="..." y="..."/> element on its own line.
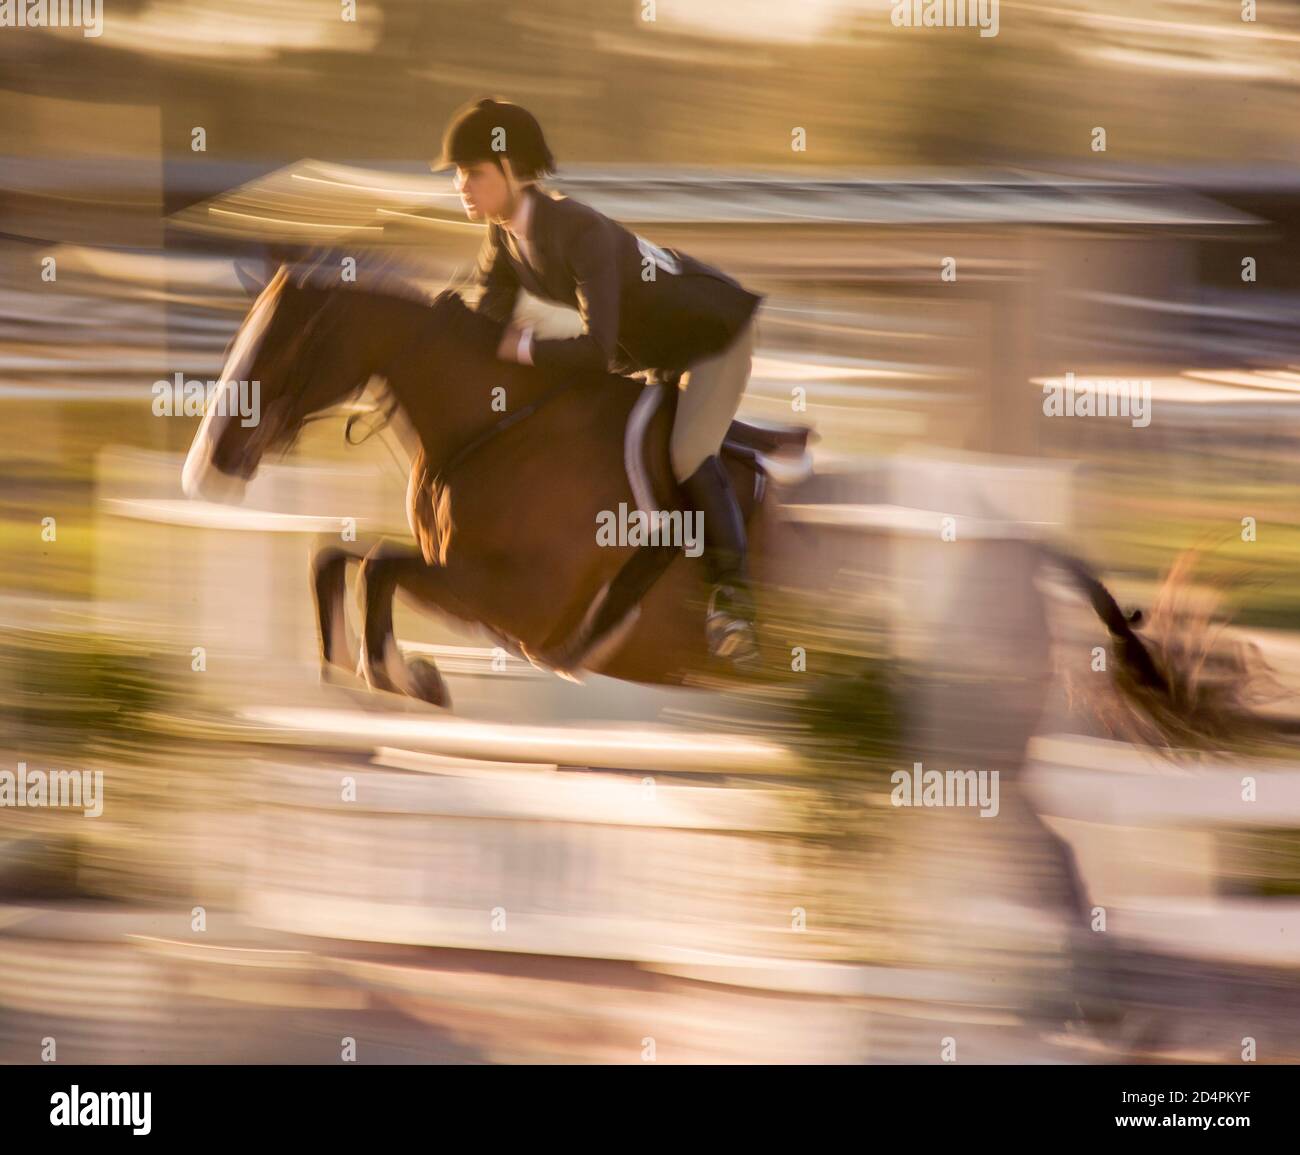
<point x="484" y="191"/>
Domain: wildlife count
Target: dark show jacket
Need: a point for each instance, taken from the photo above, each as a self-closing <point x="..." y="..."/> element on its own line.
<point x="589" y="262"/>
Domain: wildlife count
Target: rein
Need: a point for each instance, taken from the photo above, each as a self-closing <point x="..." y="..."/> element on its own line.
<point x="387" y="411"/>
<point x="477" y="443"/>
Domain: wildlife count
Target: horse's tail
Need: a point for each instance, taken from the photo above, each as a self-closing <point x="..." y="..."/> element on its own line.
<point x="1182" y="685"/>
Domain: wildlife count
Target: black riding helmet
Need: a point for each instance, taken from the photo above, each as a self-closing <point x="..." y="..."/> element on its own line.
<point x="490" y="129"/>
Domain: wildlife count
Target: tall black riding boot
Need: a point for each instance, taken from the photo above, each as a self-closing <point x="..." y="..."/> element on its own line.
<point x="729" y="621"/>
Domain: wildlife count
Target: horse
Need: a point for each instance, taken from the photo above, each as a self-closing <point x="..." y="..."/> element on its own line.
<point x="511" y="474"/>
<point x="506" y="525"/>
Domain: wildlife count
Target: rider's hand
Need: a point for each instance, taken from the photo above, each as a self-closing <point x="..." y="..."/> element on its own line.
<point x="508" y="350"/>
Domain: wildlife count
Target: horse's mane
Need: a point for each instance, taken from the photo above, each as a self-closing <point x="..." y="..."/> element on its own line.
<point x="389" y="275"/>
<point x="466" y="326"/>
<point x="385" y="273"/>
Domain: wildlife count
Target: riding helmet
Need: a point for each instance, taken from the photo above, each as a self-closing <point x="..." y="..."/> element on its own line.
<point x="490" y="129"/>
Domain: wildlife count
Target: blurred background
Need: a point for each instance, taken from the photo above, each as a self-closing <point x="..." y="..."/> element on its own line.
<point x="611" y="873"/>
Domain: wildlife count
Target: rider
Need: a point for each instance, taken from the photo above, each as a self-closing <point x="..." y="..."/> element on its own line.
<point x="642" y="308"/>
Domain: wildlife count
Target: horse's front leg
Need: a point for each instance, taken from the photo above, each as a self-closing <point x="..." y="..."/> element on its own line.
<point x="329" y="570"/>
<point x="388" y="567"/>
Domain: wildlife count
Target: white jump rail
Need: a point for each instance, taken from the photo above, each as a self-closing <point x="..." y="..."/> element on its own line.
<point x="628" y="748"/>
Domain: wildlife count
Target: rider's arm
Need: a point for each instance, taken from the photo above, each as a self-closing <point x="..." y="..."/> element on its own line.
<point x="497" y="276"/>
<point x="591" y="260"/>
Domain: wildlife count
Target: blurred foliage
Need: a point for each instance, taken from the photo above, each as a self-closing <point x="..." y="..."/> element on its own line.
<point x="89" y="702"/>
<point x="1260" y="863"/>
<point x="83" y="692"/>
<point x="836" y="697"/>
<point x="50" y="472"/>
<point x="835" y="691"/>
<point x="1137" y="514"/>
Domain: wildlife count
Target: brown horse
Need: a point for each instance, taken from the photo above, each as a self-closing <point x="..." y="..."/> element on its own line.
<point x="513" y="472"/>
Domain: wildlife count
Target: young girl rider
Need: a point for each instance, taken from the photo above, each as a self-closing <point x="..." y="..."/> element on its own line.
<point x="642" y="308"/>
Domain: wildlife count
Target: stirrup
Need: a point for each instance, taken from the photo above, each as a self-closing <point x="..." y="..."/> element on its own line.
<point x="729" y="634"/>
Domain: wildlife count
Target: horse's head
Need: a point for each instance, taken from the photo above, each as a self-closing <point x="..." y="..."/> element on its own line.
<point x="292" y="352"/>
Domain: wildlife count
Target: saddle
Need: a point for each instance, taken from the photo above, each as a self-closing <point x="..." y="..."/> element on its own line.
<point x="775" y="451"/>
<point x="754" y="453"/>
<point x="770" y="449"/>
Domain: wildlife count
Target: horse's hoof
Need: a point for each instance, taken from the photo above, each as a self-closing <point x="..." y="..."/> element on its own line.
<point x="332" y="675"/>
<point x="427" y="683"/>
<point x="376" y="679"/>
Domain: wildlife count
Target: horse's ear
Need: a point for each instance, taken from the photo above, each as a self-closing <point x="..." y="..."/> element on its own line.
<point x="252" y="275"/>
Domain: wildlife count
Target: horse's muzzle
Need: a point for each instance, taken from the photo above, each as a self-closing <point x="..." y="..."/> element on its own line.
<point x="201" y="480"/>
